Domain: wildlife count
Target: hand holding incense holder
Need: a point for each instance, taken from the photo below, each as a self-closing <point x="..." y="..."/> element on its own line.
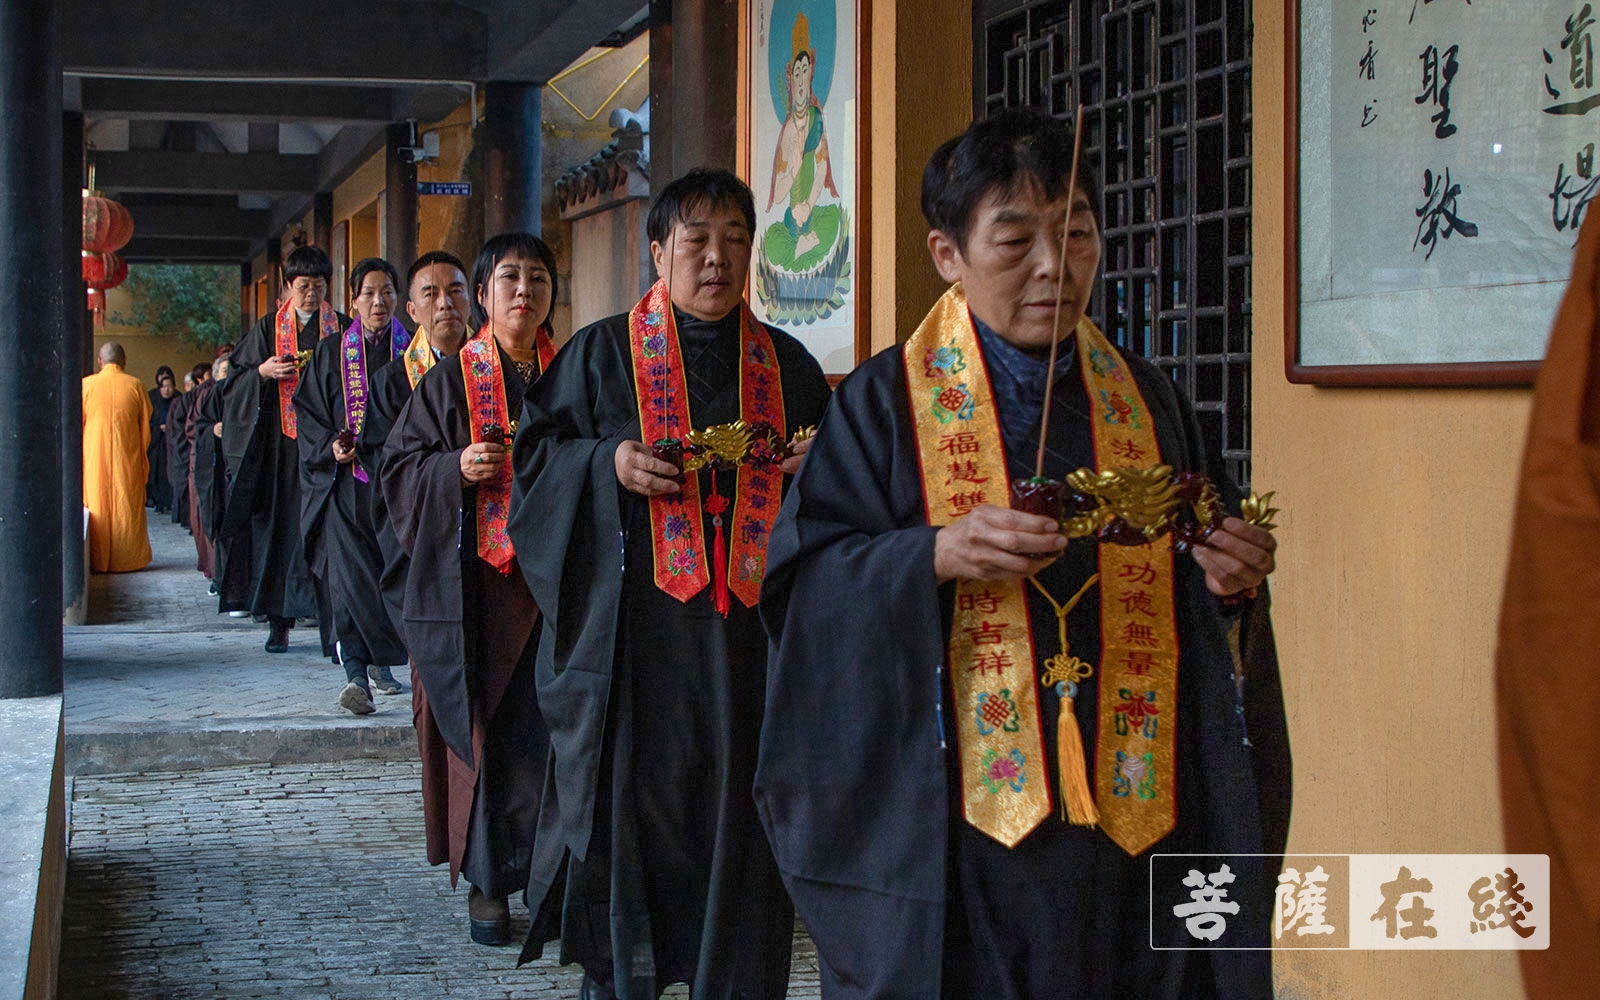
<point x="1039" y="496"/>
<point x="670" y="451"/>
<point x="495" y="434"/>
<point x="346" y="440"/>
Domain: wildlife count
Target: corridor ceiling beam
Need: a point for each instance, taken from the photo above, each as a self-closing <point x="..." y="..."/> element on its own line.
<point x="536" y="39"/>
<point x="184" y="250"/>
<point x="415" y="39"/>
<point x="199" y="221"/>
<point x="179" y="100"/>
<point x="216" y="173"/>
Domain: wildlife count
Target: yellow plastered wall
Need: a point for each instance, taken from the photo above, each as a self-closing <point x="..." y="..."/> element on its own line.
<point x="917" y="102"/>
<point x="1395" y="527"/>
<point x="147" y="350"/>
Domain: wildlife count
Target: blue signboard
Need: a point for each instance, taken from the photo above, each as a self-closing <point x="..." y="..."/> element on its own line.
<point x="456" y="189"/>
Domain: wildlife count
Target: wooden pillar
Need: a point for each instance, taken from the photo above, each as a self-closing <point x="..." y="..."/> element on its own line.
<point x="322" y="221"/>
<point x="514" y="122"/>
<point x="74" y="331"/>
<point x="400" y="222"/>
<point x="32" y="260"/>
<point x="694" y="86"/>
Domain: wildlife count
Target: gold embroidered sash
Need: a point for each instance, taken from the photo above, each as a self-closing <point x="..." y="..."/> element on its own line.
<point x="419" y="357"/>
<point x="1005" y="784"/>
<point x="992" y="663"/>
<point x="1137" y="729"/>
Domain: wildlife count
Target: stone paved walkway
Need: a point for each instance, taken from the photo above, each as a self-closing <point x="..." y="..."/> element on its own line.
<point x="298" y="881"/>
<point x="283" y="880"/>
<point x="158" y="679"/>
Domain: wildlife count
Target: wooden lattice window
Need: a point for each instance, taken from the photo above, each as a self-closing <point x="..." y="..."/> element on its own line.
<point x="1165" y="86"/>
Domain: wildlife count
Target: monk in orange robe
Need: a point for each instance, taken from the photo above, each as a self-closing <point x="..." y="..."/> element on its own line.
<point x="1545" y="678"/>
<point x="116" y="439"/>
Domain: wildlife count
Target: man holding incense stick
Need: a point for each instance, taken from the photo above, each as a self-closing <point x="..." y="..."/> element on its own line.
<point x="966" y="802"/>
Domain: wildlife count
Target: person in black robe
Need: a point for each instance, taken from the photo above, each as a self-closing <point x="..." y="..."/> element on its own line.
<point x="210" y="471"/>
<point x="191" y="428"/>
<point x="654" y="703"/>
<point x="336" y="526"/>
<point x="470" y="622"/>
<point x="862" y="799"/>
<point x="263" y="459"/>
<point x="158" y="486"/>
<point x="437" y="301"/>
<point x="177" y="451"/>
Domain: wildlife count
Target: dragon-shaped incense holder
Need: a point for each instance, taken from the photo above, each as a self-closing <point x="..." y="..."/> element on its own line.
<point x="728" y="446"/>
<point x="1135" y="506"/>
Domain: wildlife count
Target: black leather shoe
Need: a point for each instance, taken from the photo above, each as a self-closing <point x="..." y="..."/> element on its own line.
<point x="489" y="919"/>
<point x="278" y="639"/>
<point x="593" y="989"/>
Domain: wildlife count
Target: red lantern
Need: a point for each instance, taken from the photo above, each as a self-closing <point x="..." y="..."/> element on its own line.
<point x="107" y="226"/>
<point x="102" y="271"/>
<point x="97" y="305"/>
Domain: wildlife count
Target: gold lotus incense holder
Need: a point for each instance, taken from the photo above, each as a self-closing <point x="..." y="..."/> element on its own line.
<point x="300" y="359"/>
<point x="1136" y="506"/>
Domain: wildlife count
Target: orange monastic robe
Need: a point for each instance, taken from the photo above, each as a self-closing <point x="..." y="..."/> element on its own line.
<point x="116" y="437"/>
<point x="1546" y="678"/>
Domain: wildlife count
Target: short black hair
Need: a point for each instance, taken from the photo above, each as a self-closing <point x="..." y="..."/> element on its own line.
<point x="165" y="371"/>
<point x="307" y="262"/>
<point x="497" y="249"/>
<point x="200" y="371"/>
<point x="700" y="186"/>
<point x="429" y="259"/>
<point x="1004" y="152"/>
<point x="366" y="266"/>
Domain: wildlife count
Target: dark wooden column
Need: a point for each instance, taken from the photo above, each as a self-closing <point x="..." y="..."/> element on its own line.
<point x="322" y="221"/>
<point x="32" y="261"/>
<point x="74" y="332"/>
<point x="514" y="120"/>
<point x="400" y="200"/>
<point x="694" y="86"/>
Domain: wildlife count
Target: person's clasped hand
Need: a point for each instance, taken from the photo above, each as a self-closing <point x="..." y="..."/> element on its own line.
<point x="1237" y="558"/>
<point x="481" y="462"/>
<point x="996" y="543"/>
<point x="341" y="454"/>
<point x="275" y="369"/>
<point x="641" y="472"/>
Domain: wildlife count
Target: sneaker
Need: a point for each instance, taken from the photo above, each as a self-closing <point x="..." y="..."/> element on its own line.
<point x="383" y="680"/>
<point x="212" y="590"/>
<point x="278" y="639"/>
<point x="356" y="699"/>
<point x="238" y="614"/>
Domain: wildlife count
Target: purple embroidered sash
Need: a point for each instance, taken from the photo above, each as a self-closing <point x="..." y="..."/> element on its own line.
<point x="353" y="375"/>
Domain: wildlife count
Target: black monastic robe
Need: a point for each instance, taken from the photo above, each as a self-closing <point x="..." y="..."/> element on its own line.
<point x="446" y="809"/>
<point x="903" y="897"/>
<point x="263" y="513"/>
<point x="158" y="485"/>
<point x="205" y="553"/>
<point x="336" y="527"/>
<point x="471" y="633"/>
<point x="211" y="486"/>
<point x="654" y="705"/>
<point x="178" y="456"/>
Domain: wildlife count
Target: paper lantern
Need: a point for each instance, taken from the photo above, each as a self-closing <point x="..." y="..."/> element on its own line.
<point x="103" y="270"/>
<point x="107" y="226"/>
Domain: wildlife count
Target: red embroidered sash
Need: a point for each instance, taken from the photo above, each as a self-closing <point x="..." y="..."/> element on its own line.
<point x="681" y="567"/>
<point x="486" y="406"/>
<point x="287" y="343"/>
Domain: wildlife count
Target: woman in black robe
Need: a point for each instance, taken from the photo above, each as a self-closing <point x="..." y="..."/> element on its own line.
<point x="263" y="515"/>
<point x="210" y="479"/>
<point x="655" y="703"/>
<point x="158" y="486"/>
<point x="177" y="456"/>
<point x="859" y="780"/>
<point x="470" y="625"/>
